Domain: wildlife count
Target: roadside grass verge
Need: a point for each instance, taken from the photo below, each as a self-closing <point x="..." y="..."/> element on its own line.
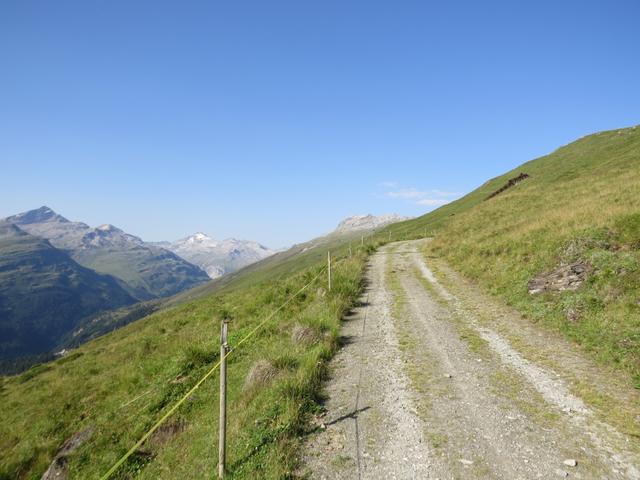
<point x="580" y="204"/>
<point x="118" y="386"/>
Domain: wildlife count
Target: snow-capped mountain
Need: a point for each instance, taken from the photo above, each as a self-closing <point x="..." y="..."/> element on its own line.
<point x="148" y="270"/>
<point x="368" y="222"/>
<point x="217" y="257"/>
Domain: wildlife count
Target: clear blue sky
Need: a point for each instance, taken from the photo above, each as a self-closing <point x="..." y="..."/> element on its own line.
<point x="273" y="120"/>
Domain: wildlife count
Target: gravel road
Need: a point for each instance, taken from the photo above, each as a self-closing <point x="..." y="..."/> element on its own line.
<point x="423" y="387"/>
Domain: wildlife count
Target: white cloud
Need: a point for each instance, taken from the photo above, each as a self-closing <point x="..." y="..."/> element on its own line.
<point x="432" y="202"/>
<point x="406" y="193"/>
<point x="431" y="198"/>
<point x="389" y="184"/>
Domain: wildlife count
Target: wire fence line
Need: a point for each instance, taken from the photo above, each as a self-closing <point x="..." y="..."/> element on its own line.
<point x="208" y="374"/>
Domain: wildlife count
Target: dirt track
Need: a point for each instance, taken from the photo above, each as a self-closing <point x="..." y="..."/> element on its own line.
<point x="422" y="388"/>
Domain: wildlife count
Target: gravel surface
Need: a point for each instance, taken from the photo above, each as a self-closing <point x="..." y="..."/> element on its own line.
<point x="422" y="389"/>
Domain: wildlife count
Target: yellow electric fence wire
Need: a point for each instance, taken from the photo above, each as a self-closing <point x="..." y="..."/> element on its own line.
<point x="201" y="381"/>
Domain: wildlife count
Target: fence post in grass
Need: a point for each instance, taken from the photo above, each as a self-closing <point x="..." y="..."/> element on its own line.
<point x="349" y="250"/>
<point x="222" y="427"/>
<point x="329" y="269"/>
<point x="362" y="240"/>
<point x="389" y="235"/>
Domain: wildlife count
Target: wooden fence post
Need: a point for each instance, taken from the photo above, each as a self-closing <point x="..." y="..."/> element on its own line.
<point x="329" y="268"/>
<point x="222" y="440"/>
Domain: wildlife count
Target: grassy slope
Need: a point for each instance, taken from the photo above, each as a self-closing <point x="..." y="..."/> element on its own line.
<point x="44" y="293"/>
<point x="149" y="272"/>
<point x="582" y="202"/>
<point x="153" y="361"/>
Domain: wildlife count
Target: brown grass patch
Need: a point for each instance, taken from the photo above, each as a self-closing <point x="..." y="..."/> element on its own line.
<point x="167" y="431"/>
<point x="305" y="335"/>
<point x="260" y="374"/>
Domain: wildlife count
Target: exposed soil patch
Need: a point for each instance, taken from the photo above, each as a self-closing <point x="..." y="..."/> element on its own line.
<point x="58" y="469"/>
<point x="509" y="184"/>
<point x="168" y="430"/>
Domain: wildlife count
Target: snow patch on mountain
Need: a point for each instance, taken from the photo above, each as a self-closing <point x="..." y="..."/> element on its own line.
<point x="218" y="257"/>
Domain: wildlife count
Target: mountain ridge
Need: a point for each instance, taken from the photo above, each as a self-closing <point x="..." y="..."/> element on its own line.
<point x="368" y="222"/>
<point x="44" y="293"/>
<point x="148" y="271"/>
<point x="215" y="257"/>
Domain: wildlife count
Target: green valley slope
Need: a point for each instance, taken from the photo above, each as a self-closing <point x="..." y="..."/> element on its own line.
<point x="117" y="385"/>
<point x="44" y="294"/>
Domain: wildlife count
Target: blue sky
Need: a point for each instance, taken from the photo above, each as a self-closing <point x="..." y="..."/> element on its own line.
<point x="274" y="120"/>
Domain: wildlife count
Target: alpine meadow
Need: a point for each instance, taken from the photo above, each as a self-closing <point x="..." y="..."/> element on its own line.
<point x="327" y="240"/>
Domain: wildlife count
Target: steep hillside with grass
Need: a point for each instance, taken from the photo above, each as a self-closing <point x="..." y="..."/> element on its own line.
<point x="580" y="205"/>
<point x="44" y="294"/>
<point x="111" y="390"/>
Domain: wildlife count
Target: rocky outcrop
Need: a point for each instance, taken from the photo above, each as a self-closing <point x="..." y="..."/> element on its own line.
<point x="566" y="277"/>
<point x="58" y="469"/>
<point x="509" y="184"/>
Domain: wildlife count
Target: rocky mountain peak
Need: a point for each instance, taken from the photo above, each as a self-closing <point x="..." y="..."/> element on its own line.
<point x="107" y="227"/>
<point x="368" y="222"/>
<point x="199" y="237"/>
<point x="39" y="215"/>
<point x="217" y="258"/>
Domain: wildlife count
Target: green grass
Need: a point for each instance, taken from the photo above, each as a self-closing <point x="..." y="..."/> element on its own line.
<point x="581" y="203"/>
<point x="121" y="383"/>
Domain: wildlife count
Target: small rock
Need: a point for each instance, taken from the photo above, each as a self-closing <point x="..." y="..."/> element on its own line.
<point x="561" y="473"/>
<point x="447" y="375"/>
<point x="570" y="462"/>
<point x="464" y="461"/>
<point x="572" y="315"/>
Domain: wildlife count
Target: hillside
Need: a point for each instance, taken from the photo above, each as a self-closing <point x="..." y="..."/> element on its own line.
<point x="95" y="389"/>
<point x="579" y="206"/>
<point x="44" y="293"/>
<point x="147" y="271"/>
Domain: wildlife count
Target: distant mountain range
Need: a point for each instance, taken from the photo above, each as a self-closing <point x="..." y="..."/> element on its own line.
<point x="217" y="257"/>
<point x="58" y="276"/>
<point x="147" y="270"/>
<point x="61" y="281"/>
